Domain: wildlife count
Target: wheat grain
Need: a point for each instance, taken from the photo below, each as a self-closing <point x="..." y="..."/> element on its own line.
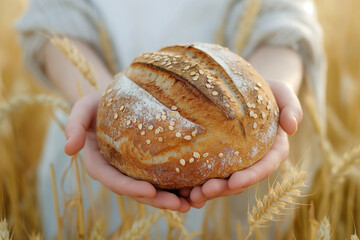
<point x="72" y="53"/>
<point x="324" y="230"/>
<point x="45" y="100"/>
<point x="275" y="200"/>
<point x="140" y="227"/>
<point x="4" y="231"/>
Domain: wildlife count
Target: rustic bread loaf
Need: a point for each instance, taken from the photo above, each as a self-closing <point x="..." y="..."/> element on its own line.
<point x="184" y="114"/>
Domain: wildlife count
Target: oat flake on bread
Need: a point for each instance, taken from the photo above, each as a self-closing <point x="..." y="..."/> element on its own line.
<point x="185" y="114"/>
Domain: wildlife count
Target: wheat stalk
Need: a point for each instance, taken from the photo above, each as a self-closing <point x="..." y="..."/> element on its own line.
<point x="107" y="49"/>
<point x="140" y="227"/>
<point x="45" y="100"/>
<point x="72" y="53"/>
<point x="246" y="24"/>
<point x="324" y="230"/>
<point x="59" y="222"/>
<point x="275" y="200"/>
<point x="4" y="231"/>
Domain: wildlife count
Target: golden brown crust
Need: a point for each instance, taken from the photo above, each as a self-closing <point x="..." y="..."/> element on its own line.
<point x="187" y="69"/>
<point x="158" y="124"/>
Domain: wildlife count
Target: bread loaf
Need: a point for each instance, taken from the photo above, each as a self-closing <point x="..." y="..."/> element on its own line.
<point x="185" y="114"/>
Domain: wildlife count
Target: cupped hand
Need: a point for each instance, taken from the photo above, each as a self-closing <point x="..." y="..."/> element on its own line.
<point x="80" y="132"/>
<point x="290" y="117"/>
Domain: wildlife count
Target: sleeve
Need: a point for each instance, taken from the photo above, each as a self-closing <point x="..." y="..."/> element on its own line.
<point x="290" y="23"/>
<point x="74" y="18"/>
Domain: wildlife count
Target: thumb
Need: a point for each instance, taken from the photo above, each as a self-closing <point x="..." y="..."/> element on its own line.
<point x="81" y="117"/>
<point x="289" y="105"/>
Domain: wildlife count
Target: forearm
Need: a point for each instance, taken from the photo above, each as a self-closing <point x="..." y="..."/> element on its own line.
<point x="64" y="75"/>
<point x="278" y="64"/>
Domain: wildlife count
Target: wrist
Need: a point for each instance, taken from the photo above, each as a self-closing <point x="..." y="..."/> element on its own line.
<point x="278" y="64"/>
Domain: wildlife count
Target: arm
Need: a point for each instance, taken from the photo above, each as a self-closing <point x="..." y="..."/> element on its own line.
<point x="64" y="75"/>
<point x="282" y="68"/>
<point x="278" y="64"/>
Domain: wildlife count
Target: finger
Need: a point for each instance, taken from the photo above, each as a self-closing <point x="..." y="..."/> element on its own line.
<point x="214" y="187"/>
<point x="163" y="200"/>
<point x="100" y="169"/>
<point x="80" y="119"/>
<point x="197" y="205"/>
<point x="197" y="195"/>
<point x="290" y="109"/>
<point x="262" y="169"/>
<point x="185" y="192"/>
<point x="185" y="206"/>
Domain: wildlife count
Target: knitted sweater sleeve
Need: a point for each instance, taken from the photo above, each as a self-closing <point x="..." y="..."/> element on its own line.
<point x="74" y="18"/>
<point x="286" y="23"/>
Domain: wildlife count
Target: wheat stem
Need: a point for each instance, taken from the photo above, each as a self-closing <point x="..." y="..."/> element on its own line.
<point x="246" y="24"/>
<point x="81" y="226"/>
<point x="79" y="88"/>
<point x="56" y="203"/>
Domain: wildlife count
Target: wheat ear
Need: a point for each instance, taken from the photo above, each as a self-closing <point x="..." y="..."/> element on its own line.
<point x="324" y="230"/>
<point x="140" y="227"/>
<point x="354" y="237"/>
<point x="175" y="221"/>
<point x="35" y="236"/>
<point x="4" y="231"/>
<point x="275" y="200"/>
<point x="45" y="100"/>
<point x="349" y="160"/>
<point x="96" y="233"/>
<point x="72" y="53"/>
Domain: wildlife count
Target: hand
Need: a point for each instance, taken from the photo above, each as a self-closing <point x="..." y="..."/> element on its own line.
<point x="80" y="132"/>
<point x="290" y="117"/>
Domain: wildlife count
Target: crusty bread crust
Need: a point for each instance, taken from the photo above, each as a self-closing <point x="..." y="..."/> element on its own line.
<point x="185" y="114"/>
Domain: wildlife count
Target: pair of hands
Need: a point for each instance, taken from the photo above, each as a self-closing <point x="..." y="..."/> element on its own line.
<point x="80" y="132"/>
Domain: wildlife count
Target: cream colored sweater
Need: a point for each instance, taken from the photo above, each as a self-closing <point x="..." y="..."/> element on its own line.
<point x="141" y="25"/>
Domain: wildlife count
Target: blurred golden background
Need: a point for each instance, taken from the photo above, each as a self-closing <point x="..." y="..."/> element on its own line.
<point x="23" y="127"/>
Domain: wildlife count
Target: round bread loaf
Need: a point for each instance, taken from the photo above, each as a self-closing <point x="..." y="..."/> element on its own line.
<point x="185" y="114"/>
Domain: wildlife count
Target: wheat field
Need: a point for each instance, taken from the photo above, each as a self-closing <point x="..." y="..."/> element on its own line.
<point x="329" y="208"/>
